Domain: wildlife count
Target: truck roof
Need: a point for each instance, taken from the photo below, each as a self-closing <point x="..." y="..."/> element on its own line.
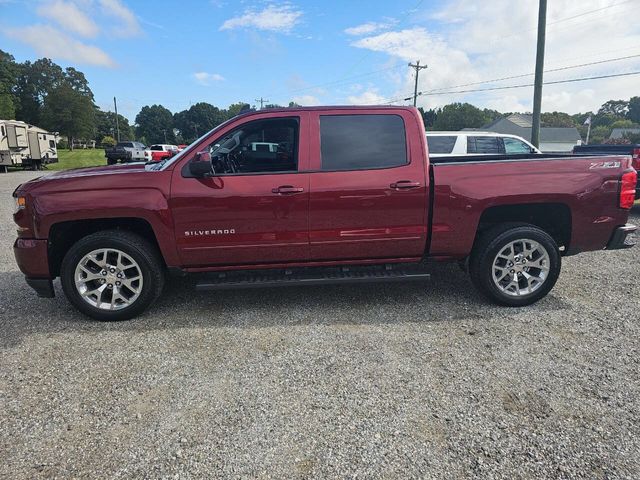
<point x="323" y="107"/>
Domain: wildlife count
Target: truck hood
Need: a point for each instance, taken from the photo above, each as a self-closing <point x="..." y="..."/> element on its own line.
<point x="91" y="171"/>
<point x="90" y="175"/>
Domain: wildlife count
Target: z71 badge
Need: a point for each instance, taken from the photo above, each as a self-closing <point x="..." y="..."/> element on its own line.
<point x="595" y="165"/>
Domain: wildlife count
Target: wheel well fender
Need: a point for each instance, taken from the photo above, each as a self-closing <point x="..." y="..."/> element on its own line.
<point x="553" y="218"/>
<point x="64" y="234"/>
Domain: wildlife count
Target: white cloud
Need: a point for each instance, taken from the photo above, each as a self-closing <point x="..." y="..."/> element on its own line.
<point x="206" y="79"/>
<point x="477" y="42"/>
<point x="367" y="28"/>
<point x="51" y="42"/>
<point x="275" y="18"/>
<point x="69" y="17"/>
<point x="447" y="65"/>
<point x="306" y="100"/>
<point x="128" y="22"/>
<point x="368" y="97"/>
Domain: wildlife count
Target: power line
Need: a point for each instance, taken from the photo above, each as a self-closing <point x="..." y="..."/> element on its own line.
<point x="366" y="54"/>
<point x="561" y="20"/>
<point x="588" y="13"/>
<point x="343" y="80"/>
<point x="569" y="67"/>
<point x="382" y="35"/>
<point x="507" y="87"/>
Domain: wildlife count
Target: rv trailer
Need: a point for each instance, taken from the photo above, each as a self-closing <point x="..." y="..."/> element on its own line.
<point x="25" y="145"/>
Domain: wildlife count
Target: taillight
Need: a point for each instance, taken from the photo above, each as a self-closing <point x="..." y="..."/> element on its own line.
<point x="628" y="189"/>
<point x="635" y="159"/>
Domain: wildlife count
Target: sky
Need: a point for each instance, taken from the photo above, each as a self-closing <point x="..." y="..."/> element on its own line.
<point x="331" y="52"/>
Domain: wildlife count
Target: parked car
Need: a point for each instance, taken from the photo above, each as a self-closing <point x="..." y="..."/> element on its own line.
<point x="158" y="152"/>
<point x="602" y="149"/>
<point x="125" y="152"/>
<point x="443" y="144"/>
<point x="349" y="195"/>
<point x="182" y="146"/>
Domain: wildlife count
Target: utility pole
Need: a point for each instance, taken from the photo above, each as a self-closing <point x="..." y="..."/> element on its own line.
<point x="262" y="101"/>
<point x="537" y="88"/>
<point x="115" y="106"/>
<point x="588" y="122"/>
<point x="415" y="88"/>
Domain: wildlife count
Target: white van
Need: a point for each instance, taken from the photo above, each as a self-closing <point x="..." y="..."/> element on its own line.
<point x="451" y="144"/>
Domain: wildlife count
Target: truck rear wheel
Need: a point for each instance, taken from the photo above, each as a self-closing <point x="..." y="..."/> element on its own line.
<point x="112" y="275"/>
<point x="515" y="265"/>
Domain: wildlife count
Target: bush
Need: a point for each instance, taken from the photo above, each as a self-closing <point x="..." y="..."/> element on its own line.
<point x="108" y="141"/>
<point x="63" y="144"/>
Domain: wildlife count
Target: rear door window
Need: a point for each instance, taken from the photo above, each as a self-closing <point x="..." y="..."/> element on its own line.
<point x="362" y="142"/>
<point x="515" y="146"/>
<point x="441" y="143"/>
<point x="485" y="145"/>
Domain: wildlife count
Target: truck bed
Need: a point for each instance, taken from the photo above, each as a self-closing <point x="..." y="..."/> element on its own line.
<point x="465" y="190"/>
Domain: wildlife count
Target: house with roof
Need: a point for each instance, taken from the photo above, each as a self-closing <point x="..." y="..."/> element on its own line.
<point x="618" y="133"/>
<point x="552" y="139"/>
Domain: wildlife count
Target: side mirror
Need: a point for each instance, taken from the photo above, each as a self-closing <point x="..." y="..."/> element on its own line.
<point x="200" y="166"/>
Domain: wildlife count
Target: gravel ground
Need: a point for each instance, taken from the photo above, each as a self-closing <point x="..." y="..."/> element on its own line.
<point x="421" y="380"/>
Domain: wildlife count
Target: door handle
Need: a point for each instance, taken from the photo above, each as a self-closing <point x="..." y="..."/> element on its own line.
<point x="287" y="190"/>
<point x="404" y="185"/>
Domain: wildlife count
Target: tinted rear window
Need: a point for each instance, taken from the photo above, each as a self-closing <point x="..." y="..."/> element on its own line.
<point x="486" y="145"/>
<point x="441" y="143"/>
<point x="156" y="147"/>
<point x="357" y="142"/>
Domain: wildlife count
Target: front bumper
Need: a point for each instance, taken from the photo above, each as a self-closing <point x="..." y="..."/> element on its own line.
<point x="623" y="237"/>
<point x="32" y="257"/>
<point x="33" y="260"/>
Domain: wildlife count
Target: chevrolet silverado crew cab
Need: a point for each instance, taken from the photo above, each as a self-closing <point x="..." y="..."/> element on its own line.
<point x="308" y="196"/>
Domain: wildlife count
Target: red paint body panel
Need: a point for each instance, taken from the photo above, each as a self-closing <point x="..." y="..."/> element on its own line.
<point x="103" y="192"/>
<point x="356" y="214"/>
<point x="337" y="218"/>
<point x="258" y="226"/>
<point x="464" y="191"/>
<point x="31" y="257"/>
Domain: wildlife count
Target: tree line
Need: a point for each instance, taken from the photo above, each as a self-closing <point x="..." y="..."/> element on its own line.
<point x="60" y="100"/>
<point x="612" y="114"/>
<point x="44" y="94"/>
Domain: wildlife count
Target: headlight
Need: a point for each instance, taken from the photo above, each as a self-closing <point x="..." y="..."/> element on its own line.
<point x="21" y="203"/>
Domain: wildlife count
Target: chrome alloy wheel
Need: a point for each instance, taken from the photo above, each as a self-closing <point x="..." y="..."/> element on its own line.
<point x="520" y="267"/>
<point x="108" y="279"/>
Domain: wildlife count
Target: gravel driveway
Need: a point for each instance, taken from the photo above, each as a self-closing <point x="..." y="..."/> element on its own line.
<point x="423" y="380"/>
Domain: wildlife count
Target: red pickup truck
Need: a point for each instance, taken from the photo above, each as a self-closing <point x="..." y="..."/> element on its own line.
<point x="311" y="196"/>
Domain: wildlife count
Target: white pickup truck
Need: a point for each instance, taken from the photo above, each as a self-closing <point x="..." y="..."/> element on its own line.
<point x="453" y="144"/>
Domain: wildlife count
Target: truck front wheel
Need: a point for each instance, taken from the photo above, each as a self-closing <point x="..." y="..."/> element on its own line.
<point x="112" y="275"/>
<point x="515" y="265"/>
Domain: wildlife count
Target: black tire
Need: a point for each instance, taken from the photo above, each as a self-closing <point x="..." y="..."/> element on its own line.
<point x="111" y="161"/>
<point x="487" y="247"/>
<point x="145" y="255"/>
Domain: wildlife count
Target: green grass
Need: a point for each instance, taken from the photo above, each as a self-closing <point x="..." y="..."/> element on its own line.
<point x="78" y="158"/>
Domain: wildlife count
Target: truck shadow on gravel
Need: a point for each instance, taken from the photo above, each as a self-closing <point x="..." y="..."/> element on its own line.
<point x="447" y="297"/>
